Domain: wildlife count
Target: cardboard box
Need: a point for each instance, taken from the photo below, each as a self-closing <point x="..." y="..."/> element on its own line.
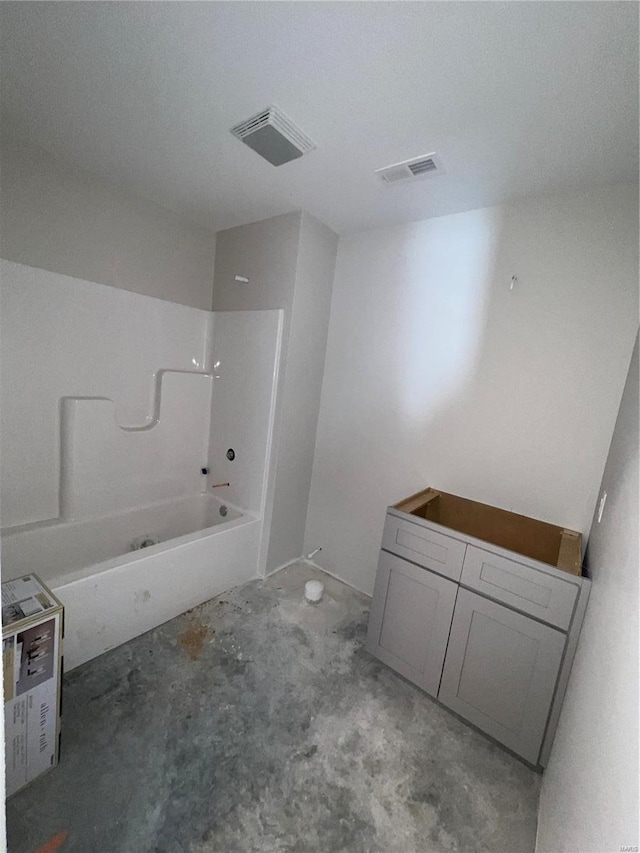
<point x="32" y="631"/>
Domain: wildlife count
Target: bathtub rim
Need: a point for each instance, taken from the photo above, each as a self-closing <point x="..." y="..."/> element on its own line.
<point x="61" y="521"/>
<point x="144" y="553"/>
<point x="131" y="557"/>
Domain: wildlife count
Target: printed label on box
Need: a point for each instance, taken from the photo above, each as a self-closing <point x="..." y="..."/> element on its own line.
<point x="30" y="660"/>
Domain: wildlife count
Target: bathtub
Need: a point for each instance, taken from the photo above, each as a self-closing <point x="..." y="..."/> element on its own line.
<point x="112" y="593"/>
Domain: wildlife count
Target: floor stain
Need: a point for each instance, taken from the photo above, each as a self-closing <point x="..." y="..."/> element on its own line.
<point x="54" y="843"/>
<point x="193" y="638"/>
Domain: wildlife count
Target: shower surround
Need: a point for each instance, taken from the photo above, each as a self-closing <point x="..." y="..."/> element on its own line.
<point x="111" y="406"/>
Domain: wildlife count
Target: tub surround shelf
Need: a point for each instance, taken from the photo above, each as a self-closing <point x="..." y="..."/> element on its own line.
<point x="482" y="609"/>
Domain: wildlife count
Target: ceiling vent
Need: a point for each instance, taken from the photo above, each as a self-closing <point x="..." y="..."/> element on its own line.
<point x="426" y="166"/>
<point x="273" y="136"/>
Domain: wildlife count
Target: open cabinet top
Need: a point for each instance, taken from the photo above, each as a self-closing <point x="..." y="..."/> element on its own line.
<point x="530" y="537"/>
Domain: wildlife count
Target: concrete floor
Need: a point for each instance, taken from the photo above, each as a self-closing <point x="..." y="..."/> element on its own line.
<point x="257" y="722"/>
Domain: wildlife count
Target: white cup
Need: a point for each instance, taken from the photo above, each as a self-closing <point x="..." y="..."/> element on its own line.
<point x="313" y="591"/>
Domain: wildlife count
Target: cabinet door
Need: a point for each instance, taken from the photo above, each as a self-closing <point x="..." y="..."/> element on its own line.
<point x="410" y="620"/>
<point x="500" y="672"/>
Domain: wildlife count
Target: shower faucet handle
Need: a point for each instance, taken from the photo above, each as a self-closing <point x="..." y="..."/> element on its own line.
<point x="219" y="485"/>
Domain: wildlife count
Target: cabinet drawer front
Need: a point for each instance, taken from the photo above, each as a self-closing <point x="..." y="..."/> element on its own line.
<point x="500" y="672"/>
<point x="441" y="554"/>
<point x="541" y="595"/>
<point x="410" y="620"/>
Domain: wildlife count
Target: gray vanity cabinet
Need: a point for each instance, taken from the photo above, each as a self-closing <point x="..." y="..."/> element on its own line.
<point x="500" y="672"/>
<point x="482" y="609"/>
<point x="410" y="620"/>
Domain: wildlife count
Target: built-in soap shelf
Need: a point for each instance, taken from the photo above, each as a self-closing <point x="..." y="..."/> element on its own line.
<point x="154" y="418"/>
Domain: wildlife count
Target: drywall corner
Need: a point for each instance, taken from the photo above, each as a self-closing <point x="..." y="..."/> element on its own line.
<point x="317" y="250"/>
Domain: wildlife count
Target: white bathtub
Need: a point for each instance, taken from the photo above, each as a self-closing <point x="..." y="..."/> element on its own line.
<point x="111" y="593"/>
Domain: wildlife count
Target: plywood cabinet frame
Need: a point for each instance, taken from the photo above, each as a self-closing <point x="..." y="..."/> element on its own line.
<point x="530" y="537"/>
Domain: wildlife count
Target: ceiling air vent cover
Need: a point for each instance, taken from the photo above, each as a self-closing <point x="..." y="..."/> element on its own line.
<point x="273" y="136"/>
<point x="418" y="167"/>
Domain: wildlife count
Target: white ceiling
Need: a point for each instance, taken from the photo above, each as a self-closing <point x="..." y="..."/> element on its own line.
<point x="517" y="98"/>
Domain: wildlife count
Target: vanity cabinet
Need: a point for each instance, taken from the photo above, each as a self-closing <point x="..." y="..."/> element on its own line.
<point x="489" y="631"/>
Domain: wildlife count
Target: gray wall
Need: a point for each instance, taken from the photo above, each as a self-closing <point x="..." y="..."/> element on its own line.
<point x="289" y="261"/>
<point x="303" y="385"/>
<point x="68" y="221"/>
<point x="266" y="253"/>
<point x="589" y="799"/>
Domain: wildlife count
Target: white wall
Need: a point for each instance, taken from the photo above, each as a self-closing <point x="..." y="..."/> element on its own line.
<point x="105" y="467"/>
<point x="245" y="354"/>
<point x="66" y="345"/>
<point x="63" y="337"/>
<point x="68" y="221"/>
<point x="289" y="261"/>
<point x="589" y="799"/>
<point x="437" y="374"/>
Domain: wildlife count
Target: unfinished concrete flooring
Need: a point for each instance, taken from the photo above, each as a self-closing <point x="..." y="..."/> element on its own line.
<point x="257" y="722"/>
